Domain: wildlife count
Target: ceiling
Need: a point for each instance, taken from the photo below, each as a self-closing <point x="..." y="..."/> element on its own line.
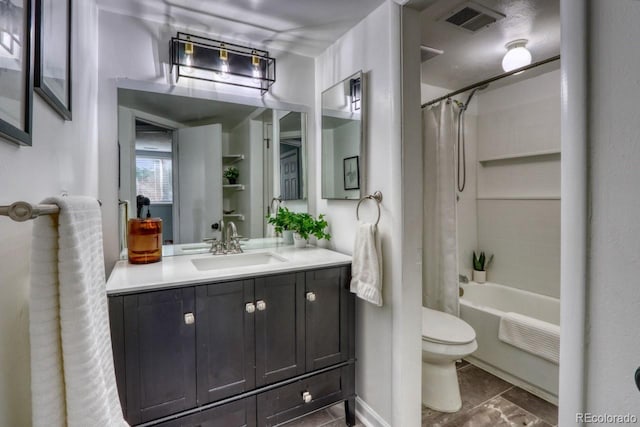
<point x="305" y="27"/>
<point x="472" y="57"/>
<point x="186" y="110"/>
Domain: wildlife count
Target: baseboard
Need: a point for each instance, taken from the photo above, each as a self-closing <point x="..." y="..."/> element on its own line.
<point x="368" y="416"/>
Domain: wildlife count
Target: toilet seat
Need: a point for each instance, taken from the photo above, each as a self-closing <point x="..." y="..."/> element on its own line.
<point x="443" y="328"/>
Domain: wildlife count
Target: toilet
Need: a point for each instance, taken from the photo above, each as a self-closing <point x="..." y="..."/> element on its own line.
<point x="445" y="339"/>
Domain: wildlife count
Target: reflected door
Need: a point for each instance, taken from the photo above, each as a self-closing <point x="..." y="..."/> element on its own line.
<point x="289" y="175"/>
<point x="200" y="181"/>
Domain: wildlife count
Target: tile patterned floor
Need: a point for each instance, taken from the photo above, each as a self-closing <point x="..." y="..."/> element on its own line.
<point x="487" y="401"/>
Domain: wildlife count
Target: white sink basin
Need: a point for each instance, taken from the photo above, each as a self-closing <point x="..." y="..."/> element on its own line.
<point x="220" y="262"/>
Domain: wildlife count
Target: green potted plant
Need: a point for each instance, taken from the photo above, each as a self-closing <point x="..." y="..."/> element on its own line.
<point x="480" y="265"/>
<point x="283" y="223"/>
<point x="231" y="173"/>
<point x="305" y="225"/>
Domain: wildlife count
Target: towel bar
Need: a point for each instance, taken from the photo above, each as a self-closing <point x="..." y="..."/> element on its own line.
<point x="23" y="211"/>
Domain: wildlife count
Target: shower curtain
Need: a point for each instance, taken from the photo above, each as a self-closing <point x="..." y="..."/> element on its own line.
<point x="440" y="247"/>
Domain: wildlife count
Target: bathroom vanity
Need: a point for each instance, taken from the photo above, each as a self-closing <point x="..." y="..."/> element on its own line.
<point x="254" y="339"/>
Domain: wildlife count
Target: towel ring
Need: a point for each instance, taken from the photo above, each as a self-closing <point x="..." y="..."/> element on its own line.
<point x="377" y="197"/>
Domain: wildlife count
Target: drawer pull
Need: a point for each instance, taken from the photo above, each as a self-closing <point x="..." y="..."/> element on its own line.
<point x="306" y="396"/>
<point x="261" y="305"/>
<point x="250" y="307"/>
<point x="311" y="296"/>
<point x="189" y="319"/>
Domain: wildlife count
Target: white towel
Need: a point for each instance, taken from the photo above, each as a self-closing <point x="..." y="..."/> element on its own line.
<point x="531" y="335"/>
<point x="366" y="267"/>
<point x="72" y="375"/>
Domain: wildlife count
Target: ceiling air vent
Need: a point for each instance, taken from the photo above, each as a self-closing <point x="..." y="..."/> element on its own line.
<point x="471" y="16"/>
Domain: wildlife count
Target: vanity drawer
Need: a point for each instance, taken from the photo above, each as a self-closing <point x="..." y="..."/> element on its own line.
<point x="241" y="413"/>
<point x="288" y="402"/>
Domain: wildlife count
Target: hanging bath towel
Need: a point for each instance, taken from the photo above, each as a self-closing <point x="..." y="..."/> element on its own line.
<point x="72" y="375"/>
<point x="366" y="267"/>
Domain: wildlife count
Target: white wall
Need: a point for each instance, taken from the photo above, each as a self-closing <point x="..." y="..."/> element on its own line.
<point x="64" y="157"/>
<point x="519" y="198"/>
<point x="613" y="294"/>
<point x="145" y="59"/>
<point x="381" y="377"/>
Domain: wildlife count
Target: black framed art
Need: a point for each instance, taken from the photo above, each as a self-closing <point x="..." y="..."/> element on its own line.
<point x="53" y="54"/>
<point x="351" y="173"/>
<point x="16" y="71"/>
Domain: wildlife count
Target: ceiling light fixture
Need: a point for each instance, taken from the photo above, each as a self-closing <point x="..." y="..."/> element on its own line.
<point x="517" y="55"/>
<point x="202" y="58"/>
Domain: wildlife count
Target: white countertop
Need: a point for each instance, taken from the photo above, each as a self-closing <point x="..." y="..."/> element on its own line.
<point x="179" y="270"/>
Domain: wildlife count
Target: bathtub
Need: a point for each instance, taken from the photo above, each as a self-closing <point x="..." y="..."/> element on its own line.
<point x="481" y="306"/>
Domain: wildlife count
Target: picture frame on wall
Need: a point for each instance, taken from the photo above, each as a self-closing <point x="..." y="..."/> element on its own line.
<point x="53" y="54"/>
<point x="16" y="71"/>
<point x="351" y="173"/>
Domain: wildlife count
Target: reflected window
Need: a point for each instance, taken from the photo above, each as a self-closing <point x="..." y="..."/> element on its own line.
<point x="154" y="177"/>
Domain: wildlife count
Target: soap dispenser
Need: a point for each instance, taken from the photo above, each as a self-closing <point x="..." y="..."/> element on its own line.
<point x="144" y="236"/>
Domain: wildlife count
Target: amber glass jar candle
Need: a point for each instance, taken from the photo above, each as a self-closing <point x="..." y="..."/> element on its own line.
<point x="144" y="240"/>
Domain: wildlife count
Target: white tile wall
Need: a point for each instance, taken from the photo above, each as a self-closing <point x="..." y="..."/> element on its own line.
<point x="467" y="212"/>
<point x="524" y="235"/>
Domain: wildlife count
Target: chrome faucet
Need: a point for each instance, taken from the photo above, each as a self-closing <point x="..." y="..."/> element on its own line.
<point x="222" y="231"/>
<point x="232" y="240"/>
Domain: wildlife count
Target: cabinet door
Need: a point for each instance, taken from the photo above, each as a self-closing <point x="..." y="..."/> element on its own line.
<point x="160" y="353"/>
<point x="225" y="337"/>
<point x="279" y="327"/>
<point x="327" y="332"/>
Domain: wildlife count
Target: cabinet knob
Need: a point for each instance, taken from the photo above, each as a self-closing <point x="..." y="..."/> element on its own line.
<point x="311" y="296"/>
<point x="250" y="307"/>
<point x="261" y="305"/>
<point x="189" y="319"/>
<point x="306" y="397"/>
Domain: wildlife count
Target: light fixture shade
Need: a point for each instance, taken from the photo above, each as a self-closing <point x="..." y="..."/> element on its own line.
<point x="517" y="55"/>
<point x="202" y="58"/>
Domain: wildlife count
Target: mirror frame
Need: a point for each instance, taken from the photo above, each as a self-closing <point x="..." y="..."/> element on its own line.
<point x="362" y="166"/>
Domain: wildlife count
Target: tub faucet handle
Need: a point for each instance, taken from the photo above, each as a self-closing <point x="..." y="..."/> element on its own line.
<point x="462" y="278"/>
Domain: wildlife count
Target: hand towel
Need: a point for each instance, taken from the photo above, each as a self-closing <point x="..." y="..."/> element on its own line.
<point x="366" y="266"/>
<point x="72" y="375"/>
<point x="531" y="335"/>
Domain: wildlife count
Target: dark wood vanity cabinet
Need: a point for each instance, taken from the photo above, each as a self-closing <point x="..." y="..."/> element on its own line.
<point x="251" y="352"/>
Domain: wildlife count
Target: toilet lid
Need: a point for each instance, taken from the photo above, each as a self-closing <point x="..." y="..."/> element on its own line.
<point x="445" y="328"/>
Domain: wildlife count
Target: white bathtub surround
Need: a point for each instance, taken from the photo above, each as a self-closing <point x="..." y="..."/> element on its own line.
<point x="440" y="255"/>
<point x="445" y="339"/>
<point x="72" y="374"/>
<point x="483" y="307"/>
<point x="366" y="268"/>
<point x="531" y="335"/>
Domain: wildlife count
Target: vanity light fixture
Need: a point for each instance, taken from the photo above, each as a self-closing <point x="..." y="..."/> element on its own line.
<point x="188" y="57"/>
<point x="202" y="58"/>
<point x="517" y="55"/>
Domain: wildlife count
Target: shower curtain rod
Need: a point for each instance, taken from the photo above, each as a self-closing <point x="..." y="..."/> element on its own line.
<point x="492" y="79"/>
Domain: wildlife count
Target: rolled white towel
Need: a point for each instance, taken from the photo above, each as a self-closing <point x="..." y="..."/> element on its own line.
<point x="531" y="335"/>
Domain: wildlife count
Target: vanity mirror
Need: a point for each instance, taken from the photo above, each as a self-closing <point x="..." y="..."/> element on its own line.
<point x="343" y="107"/>
<point x="200" y="161"/>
